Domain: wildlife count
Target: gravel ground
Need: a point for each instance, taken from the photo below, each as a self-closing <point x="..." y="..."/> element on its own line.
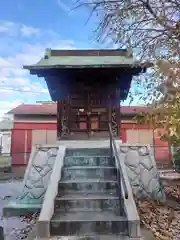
<point x="14" y="227"/>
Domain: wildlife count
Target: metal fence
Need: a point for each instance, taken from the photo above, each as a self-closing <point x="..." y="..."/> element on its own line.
<point x="19" y="158"/>
<point x="5" y="160"/>
<point x="163" y="156"/>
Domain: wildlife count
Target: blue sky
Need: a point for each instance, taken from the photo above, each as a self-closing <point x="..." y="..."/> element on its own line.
<point x="27" y="28"/>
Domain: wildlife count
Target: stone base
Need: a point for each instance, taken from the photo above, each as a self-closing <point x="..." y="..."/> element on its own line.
<point x="140" y="167"/>
<point x="14" y="209"/>
<point x="35" y="183"/>
<point x="142" y="171"/>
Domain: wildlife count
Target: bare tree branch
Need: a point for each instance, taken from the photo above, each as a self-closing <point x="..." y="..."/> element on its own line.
<point x="152" y="29"/>
<point x="138" y="21"/>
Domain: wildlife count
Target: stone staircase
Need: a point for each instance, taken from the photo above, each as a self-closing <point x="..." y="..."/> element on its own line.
<point x="87" y="204"/>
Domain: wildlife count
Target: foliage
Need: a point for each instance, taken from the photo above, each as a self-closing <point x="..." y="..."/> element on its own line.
<point x="164" y="118"/>
<point x="149" y="26"/>
<point x="177" y="160"/>
<point x="164" y="114"/>
<point x="152" y="29"/>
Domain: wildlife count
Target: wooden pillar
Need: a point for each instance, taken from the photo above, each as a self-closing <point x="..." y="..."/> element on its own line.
<point x="63" y="126"/>
<point x="58" y="119"/>
<point x="118" y="112"/>
<point x="115" y="113"/>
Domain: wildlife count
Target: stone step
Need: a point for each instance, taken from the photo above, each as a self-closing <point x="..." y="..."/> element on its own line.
<point x="75" y="195"/>
<point x="75" y="203"/>
<point x="88" y="223"/>
<point x="88" y="185"/>
<point x="88" y="152"/>
<point x="89" y="172"/>
<point x="92" y="237"/>
<point x="88" y="161"/>
<point x="87" y="193"/>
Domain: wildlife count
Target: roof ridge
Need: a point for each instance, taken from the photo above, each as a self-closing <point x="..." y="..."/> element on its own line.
<point x="51" y="109"/>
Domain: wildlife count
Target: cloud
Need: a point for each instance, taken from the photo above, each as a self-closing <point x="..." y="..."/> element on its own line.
<point x="29" y="31"/>
<point x="67" y="6"/>
<point x="12" y="97"/>
<point x="11" y="67"/>
<point x="28" y="46"/>
<point x="63" y="5"/>
<point x="7" y="27"/>
<point x="7" y="106"/>
<point x="10" y="81"/>
<point x="19" y="30"/>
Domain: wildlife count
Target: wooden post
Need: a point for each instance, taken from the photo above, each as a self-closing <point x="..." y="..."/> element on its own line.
<point x="118" y="113"/>
<point x="58" y="119"/>
<point x="63" y="112"/>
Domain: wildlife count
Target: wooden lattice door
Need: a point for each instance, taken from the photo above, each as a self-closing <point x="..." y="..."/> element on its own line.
<point x="86" y="115"/>
<point x="90" y="114"/>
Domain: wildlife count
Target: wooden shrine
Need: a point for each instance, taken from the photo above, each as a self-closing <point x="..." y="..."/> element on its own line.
<point x="88" y="86"/>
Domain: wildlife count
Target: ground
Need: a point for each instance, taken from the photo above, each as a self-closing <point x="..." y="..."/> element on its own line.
<point x="15" y="227"/>
<point x="162" y="220"/>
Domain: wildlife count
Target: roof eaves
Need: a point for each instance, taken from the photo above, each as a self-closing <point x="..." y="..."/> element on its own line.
<point x="38" y="67"/>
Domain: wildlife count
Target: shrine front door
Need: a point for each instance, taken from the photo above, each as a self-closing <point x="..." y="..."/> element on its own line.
<point x="90" y="115"/>
<point x="85" y="116"/>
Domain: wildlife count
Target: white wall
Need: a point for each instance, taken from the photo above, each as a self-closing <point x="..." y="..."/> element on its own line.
<point x="5" y="141"/>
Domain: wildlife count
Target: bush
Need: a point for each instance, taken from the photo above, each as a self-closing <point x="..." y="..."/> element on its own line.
<point x="177" y="160"/>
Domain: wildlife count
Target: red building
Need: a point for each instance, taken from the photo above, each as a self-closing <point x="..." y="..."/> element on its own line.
<point x="37" y="124"/>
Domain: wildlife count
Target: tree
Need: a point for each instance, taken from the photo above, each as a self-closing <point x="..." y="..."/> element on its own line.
<point x="164" y="114"/>
<point x="149" y="26"/>
<point x="152" y="29"/>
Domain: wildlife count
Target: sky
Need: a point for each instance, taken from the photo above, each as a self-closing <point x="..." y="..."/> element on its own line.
<point x="27" y="28"/>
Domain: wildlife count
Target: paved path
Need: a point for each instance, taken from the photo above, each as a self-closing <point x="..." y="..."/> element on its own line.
<point x="14" y="227"/>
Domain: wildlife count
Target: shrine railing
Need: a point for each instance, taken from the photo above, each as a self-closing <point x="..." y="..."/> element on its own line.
<point x="114" y="155"/>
